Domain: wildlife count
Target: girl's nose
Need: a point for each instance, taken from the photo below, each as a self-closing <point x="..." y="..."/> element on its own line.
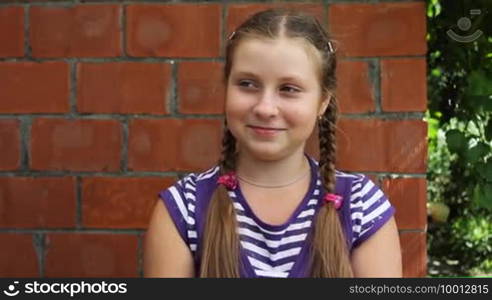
<point x="267" y="106"/>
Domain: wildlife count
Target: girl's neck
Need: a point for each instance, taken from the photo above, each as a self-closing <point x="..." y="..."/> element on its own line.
<point x="272" y="173"/>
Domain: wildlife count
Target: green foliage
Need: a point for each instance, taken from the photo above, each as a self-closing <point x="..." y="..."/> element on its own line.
<point x="460" y="138"/>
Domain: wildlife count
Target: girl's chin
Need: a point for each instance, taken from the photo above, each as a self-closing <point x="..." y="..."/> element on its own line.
<point x="266" y="153"/>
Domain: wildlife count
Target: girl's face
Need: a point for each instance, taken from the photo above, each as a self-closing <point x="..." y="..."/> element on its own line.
<point x="273" y="96"/>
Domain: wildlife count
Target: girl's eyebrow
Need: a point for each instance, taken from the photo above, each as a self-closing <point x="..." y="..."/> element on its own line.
<point x="246" y="74"/>
<point x="284" y="78"/>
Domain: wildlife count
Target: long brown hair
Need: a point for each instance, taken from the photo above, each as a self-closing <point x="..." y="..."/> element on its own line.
<point x="329" y="253"/>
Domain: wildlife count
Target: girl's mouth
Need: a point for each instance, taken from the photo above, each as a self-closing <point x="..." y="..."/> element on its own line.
<point x="265" y="131"/>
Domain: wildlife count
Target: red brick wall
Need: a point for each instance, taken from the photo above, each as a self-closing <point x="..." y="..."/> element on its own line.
<point x="104" y="104"/>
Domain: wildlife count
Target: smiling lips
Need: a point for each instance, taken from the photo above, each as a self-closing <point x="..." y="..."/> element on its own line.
<point x="265" y="131"/>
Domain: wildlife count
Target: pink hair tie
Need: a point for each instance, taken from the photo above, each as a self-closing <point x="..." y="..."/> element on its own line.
<point x="336" y="199"/>
<point x="228" y="180"/>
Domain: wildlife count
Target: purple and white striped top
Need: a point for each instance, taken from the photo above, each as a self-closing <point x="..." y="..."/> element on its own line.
<point x="277" y="250"/>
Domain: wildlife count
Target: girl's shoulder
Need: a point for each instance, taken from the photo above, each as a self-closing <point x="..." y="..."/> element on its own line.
<point x="189" y="182"/>
<point x="190" y="186"/>
<point x="359" y="182"/>
<point x="369" y="207"/>
<point x="185" y="203"/>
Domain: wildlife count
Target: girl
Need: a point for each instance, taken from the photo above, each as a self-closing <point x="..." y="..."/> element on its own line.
<point x="268" y="209"/>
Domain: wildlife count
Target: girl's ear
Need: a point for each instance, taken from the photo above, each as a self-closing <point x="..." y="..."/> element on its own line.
<point x="324" y="104"/>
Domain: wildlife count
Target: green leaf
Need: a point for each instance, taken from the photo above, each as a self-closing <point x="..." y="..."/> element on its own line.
<point x="436" y="72"/>
<point x="482" y="195"/>
<point x="486" y="171"/>
<point x="476" y="152"/>
<point x="488" y="130"/>
<point x="479" y="90"/>
<point x="476" y="102"/>
<point x="479" y="84"/>
<point x="481" y="169"/>
<point x="488" y="104"/>
<point x="456" y="140"/>
<point x="433" y="9"/>
<point x="433" y="127"/>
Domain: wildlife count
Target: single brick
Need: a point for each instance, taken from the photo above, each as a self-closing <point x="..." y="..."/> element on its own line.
<point x="409" y="196"/>
<point x="40" y="202"/>
<point x="200" y="87"/>
<point x="27" y="87"/>
<point x="18" y="257"/>
<point x="110" y="202"/>
<point x="78" y="31"/>
<point x="404" y="84"/>
<point x="127" y="87"/>
<point x="174" y="145"/>
<point x="414" y="254"/>
<point x="379" y="29"/>
<point x="77" y="145"/>
<point x="355" y="91"/>
<point x="382" y="145"/>
<point x="178" y="30"/>
<point x="91" y="255"/>
<point x="11" y="31"/>
<point x="9" y="144"/>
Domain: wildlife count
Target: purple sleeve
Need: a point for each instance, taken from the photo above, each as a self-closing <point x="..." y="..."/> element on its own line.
<point x="176" y="200"/>
<point x="370" y="209"/>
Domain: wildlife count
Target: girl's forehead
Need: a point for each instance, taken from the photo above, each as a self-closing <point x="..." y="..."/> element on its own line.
<point x="281" y="54"/>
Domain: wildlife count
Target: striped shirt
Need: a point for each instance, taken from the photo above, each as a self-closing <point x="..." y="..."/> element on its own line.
<point x="277" y="250"/>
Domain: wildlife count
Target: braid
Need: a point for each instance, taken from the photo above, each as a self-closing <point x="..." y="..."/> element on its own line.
<point x="329" y="257"/>
<point x="327" y="146"/>
<point x="227" y="161"/>
<point x="220" y="254"/>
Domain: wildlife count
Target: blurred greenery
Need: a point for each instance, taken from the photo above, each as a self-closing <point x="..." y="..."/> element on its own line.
<point x="459" y="117"/>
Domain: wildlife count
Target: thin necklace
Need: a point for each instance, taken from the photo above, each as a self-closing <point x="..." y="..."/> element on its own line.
<point x="274" y="186"/>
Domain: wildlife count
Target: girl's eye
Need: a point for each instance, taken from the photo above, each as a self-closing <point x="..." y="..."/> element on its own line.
<point x="289" y="89"/>
<point x="246" y="84"/>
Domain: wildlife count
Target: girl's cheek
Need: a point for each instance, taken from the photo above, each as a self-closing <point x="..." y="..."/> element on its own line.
<point x="235" y="113"/>
<point x="295" y="115"/>
<point x="237" y="105"/>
